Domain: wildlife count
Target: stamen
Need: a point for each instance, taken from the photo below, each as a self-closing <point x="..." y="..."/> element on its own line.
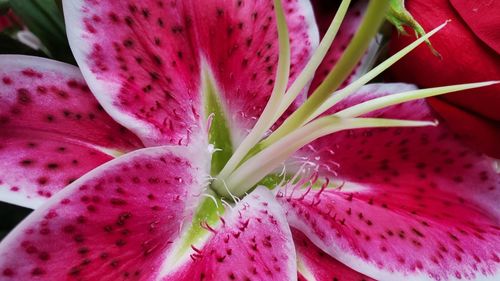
<point x="390" y="100"/>
<point x="310" y="69"/>
<point x="266" y="119"/>
<point x="302" y="180"/>
<point x="210" y="120"/>
<point x="294" y="178"/>
<point x="323" y="187"/>
<point x="206" y="226"/>
<point x="263" y="163"/>
<point x="276" y="191"/>
<point x="219" y="135"/>
<point x="212" y="198"/>
<point x="225" y="203"/>
<point x="369" y="27"/>
<point x="228" y="192"/>
<point x="196" y="249"/>
<point x="297" y="185"/>
<point x="360" y="82"/>
<point x="304" y="194"/>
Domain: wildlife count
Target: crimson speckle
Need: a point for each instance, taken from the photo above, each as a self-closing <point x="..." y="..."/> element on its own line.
<point x="8" y="272"/>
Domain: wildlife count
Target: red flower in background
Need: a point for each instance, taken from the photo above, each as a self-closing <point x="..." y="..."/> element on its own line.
<point x="470" y="48"/>
<point x="8" y="20"/>
<point x="4" y="22"/>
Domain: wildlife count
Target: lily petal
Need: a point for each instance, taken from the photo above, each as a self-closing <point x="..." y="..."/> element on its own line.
<point x="427" y="156"/>
<point x="53" y="129"/>
<point x="399" y="232"/>
<point x="117" y="221"/>
<point x="319" y="265"/>
<point x="145" y="61"/>
<point x="253" y="242"/>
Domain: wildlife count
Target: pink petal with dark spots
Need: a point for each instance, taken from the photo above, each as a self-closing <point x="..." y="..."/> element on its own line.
<point x="144" y="61"/>
<point x="253" y="242"/>
<point x="431" y="157"/>
<point x="400" y="232"/>
<point x="52" y="130"/>
<point x="117" y="222"/>
<point x="320" y="265"/>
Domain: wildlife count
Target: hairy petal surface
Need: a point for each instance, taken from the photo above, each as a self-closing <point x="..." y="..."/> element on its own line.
<point x="52" y="129"/>
<point x="253" y="242"/>
<point x="431" y="157"/>
<point x="138" y="60"/>
<point x="117" y="222"/>
<point x="145" y="60"/>
<point x="319" y="265"/>
<point x="399" y="232"/>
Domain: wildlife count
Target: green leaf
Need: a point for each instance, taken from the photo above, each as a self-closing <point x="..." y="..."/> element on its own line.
<point x="8" y="45"/>
<point x="59" y="5"/>
<point x="4" y="6"/>
<point x="44" y="19"/>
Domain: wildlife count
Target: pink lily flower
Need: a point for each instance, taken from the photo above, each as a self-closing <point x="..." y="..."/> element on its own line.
<point x="219" y="99"/>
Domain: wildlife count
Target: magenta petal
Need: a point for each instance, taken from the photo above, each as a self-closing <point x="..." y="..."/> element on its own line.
<point x="144" y="61"/>
<point x="409" y="232"/>
<point x="140" y="63"/>
<point x="52" y="129"/>
<point x="428" y="156"/>
<point x="253" y="242"/>
<point x="319" y="264"/>
<point x="239" y="40"/>
<point x="117" y="222"/>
